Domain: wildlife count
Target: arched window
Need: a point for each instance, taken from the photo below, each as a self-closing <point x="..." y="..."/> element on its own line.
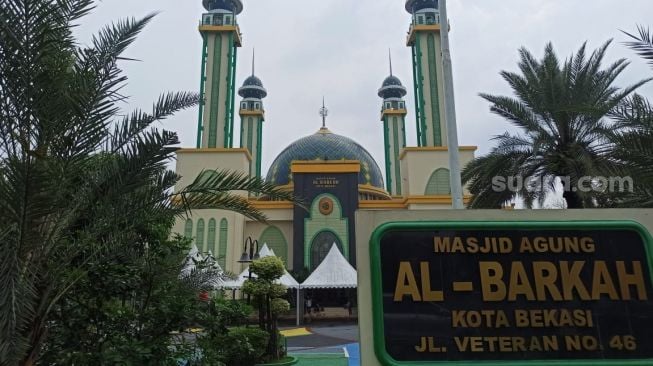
<point x="199" y="236"/>
<point x="222" y="249"/>
<point x="276" y="241"/>
<point x="211" y="237"/>
<point x="188" y="229"/>
<point x="439" y="183"/>
<point x="321" y="246"/>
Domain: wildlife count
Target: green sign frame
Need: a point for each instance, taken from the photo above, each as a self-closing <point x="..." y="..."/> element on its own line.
<point x="377" y="295"/>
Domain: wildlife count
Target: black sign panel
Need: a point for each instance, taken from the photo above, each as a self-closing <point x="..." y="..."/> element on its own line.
<point x="515" y="294"/>
<point x="308" y="186"/>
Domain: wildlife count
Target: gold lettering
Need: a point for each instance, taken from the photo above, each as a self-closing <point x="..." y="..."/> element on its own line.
<point x="571" y="281"/>
<point x="537" y="319"/>
<point x="502" y="320"/>
<point x="521" y="318"/>
<point x="602" y="283"/>
<point x="571" y="245"/>
<point x="546" y="275"/>
<point x="505" y="344"/>
<point x="551" y="343"/>
<point x="587" y="245"/>
<point x="580" y="318"/>
<point x="491" y="342"/>
<point x="427" y="293"/>
<point x="472" y="245"/>
<point x="572" y="343"/>
<point x="534" y="345"/>
<point x="494" y="289"/>
<point x="422" y="346"/>
<point x="519" y="344"/>
<point x="550" y="319"/>
<point x="458" y="319"/>
<point x="565" y="319"/>
<point x="461" y="344"/>
<point x="406" y="283"/>
<point x="631" y="279"/>
<point x="477" y="344"/>
<point x="457" y="246"/>
<point x="525" y="246"/>
<point x="442" y="245"/>
<point x="519" y="284"/>
<point x="541" y="245"/>
<point x="505" y="245"/>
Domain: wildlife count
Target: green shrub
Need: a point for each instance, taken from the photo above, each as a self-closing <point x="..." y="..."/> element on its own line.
<point x="239" y="347"/>
<point x="245" y="346"/>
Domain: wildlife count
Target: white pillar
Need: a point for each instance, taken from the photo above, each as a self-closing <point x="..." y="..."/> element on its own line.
<point x="450" y="112"/>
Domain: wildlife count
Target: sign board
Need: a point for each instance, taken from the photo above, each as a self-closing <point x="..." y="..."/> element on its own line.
<point x="545" y="293"/>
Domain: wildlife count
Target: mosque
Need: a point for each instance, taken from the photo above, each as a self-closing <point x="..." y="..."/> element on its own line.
<point x="332" y="173"/>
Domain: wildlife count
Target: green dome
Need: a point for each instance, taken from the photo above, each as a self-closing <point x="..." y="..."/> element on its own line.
<point x="325" y="145"/>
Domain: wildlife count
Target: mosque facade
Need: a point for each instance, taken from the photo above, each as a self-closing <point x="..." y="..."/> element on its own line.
<point x="333" y="174"/>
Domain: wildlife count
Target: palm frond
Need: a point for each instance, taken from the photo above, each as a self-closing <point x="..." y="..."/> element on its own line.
<point x="642" y="43"/>
<point x="220" y="190"/>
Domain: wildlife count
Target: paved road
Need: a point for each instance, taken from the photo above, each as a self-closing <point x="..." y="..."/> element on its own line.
<point x="331" y="345"/>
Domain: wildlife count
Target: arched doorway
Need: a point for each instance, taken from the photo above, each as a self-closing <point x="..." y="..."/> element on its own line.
<point x="321" y="245"/>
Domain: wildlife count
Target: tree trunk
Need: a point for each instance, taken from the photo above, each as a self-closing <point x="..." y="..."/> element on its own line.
<point x="573" y="199"/>
<point x="261" y="313"/>
<point x="272" y="346"/>
<point x="275" y="330"/>
<point x="37" y="338"/>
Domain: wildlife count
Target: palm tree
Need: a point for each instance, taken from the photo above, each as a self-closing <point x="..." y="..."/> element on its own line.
<point x="633" y="141"/>
<point x="76" y="173"/>
<point x="560" y="110"/>
<point x="633" y="137"/>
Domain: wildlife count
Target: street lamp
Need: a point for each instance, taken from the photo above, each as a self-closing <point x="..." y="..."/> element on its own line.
<point x="249" y="256"/>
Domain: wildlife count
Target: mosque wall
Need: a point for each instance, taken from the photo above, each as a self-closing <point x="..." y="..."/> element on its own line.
<point x="275" y="234"/>
<point x="419" y="163"/>
<point x="191" y="162"/>
<point x="218" y="231"/>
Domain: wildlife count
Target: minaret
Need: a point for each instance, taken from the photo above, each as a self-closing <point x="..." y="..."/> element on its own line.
<point x="393" y="115"/>
<point x="252" y="116"/>
<point x="221" y="39"/>
<point x="424" y="39"/>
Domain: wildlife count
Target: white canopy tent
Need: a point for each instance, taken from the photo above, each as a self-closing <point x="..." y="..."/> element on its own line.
<point x="286" y="280"/>
<point x="194" y="257"/>
<point x="334" y="272"/>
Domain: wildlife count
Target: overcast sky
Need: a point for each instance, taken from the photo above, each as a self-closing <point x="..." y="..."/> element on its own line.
<point x="307" y="49"/>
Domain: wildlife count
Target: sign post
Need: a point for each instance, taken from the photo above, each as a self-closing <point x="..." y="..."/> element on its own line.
<point x="512" y="293"/>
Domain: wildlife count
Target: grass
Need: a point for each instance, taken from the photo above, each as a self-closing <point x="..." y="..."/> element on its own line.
<point x="277" y="362"/>
<point x="308" y="359"/>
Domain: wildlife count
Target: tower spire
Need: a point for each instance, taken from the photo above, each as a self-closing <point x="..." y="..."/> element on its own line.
<point x="253" y="59"/>
<point x="324" y="112"/>
<point x="390" y="57"/>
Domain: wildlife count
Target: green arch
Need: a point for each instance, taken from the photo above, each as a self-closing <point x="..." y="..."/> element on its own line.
<point x="339" y="243"/>
<point x="188" y="228"/>
<point x="318" y="222"/>
<point x="199" y="236"/>
<point x="439" y="183"/>
<point x="222" y="249"/>
<point x="211" y="237"/>
<point x="276" y="241"/>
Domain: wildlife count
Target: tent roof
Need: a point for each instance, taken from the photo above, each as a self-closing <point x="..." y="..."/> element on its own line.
<point x="286" y="280"/>
<point x="194" y="257"/>
<point x="334" y="272"/>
